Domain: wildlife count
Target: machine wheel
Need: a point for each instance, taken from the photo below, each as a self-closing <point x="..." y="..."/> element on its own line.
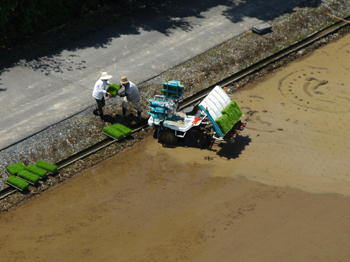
<point x="198" y="139"/>
<point x="168" y="138"/>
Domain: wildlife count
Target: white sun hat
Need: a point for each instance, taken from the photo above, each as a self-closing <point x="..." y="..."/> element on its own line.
<point x="105" y="76"/>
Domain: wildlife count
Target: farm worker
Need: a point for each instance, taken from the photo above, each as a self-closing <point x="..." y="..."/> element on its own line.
<point x="99" y="92"/>
<point x="131" y="95"/>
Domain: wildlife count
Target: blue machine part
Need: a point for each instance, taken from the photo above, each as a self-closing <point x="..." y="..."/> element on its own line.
<point x="173" y="83"/>
<point x="161" y="108"/>
<point x="173" y="89"/>
<point x="217" y="129"/>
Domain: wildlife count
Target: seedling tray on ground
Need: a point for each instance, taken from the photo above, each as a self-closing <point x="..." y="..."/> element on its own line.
<point x="42" y="173"/>
<point x="28" y="181"/>
<point x="116" y="139"/>
<point x="25" y="174"/>
<point x="15" y="168"/>
<point x="117" y="131"/>
<point x="50" y="168"/>
<point x="20" y="189"/>
<point x="11" y="185"/>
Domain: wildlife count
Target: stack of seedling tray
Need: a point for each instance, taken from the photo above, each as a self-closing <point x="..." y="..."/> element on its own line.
<point x="113" y="89"/>
<point x="173" y="89"/>
<point x="21" y="176"/>
<point x="13" y="180"/>
<point x="230" y="116"/>
<point x="117" y="131"/>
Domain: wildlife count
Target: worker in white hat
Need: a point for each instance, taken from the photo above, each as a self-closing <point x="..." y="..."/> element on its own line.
<point x="131" y="95"/>
<point x="100" y="90"/>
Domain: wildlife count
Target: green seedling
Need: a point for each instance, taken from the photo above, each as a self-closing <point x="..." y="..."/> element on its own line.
<point x="113" y="89"/>
<point x="29" y="176"/>
<point x="117" y="131"/>
<point x="125" y="130"/>
<point x="230" y="116"/>
<point x="18" y="183"/>
<point x="109" y="130"/>
<point x="15" y="168"/>
<point x="36" y="170"/>
<point x="46" y="166"/>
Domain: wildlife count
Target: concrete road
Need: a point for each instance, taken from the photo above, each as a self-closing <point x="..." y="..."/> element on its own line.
<point x="37" y="94"/>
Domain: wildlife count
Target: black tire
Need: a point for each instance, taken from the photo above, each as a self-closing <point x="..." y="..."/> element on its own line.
<point x="168" y="138"/>
<point x="155" y="133"/>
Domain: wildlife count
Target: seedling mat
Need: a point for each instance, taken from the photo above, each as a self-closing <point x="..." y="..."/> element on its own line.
<point x="121" y="138"/>
<point x="15" y="186"/>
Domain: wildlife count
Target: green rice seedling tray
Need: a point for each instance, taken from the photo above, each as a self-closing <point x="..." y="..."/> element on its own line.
<point x="15" y="182"/>
<point x="15" y="168"/>
<point x="230" y="116"/>
<point x="28" y="176"/>
<point x="42" y="173"/>
<point x="233" y="111"/>
<point x="46" y="166"/>
<point x="224" y="124"/>
<point x="113" y="89"/>
<point x="117" y="131"/>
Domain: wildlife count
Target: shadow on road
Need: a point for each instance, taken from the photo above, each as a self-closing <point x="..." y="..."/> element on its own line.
<point x="163" y="18"/>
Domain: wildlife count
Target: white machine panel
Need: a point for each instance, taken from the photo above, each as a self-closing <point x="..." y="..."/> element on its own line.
<point x="215" y="102"/>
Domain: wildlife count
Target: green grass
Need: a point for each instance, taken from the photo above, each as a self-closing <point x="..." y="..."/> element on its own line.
<point x="36" y="170"/>
<point x="19" y="183"/>
<point x="47" y="166"/>
<point x="15" y="168"/>
<point x="113" y="89"/>
<point x="29" y="176"/>
<point x="117" y="130"/>
<point x="230" y="116"/>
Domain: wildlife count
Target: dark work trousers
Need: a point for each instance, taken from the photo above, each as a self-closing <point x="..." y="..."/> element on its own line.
<point x="100" y="105"/>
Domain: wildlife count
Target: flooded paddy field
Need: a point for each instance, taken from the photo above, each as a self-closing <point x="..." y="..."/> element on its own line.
<point x="279" y="193"/>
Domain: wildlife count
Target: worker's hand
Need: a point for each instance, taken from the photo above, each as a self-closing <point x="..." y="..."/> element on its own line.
<point x="109" y="94"/>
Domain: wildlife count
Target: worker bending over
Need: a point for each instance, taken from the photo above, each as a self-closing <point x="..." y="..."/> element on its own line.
<point x="131" y="95"/>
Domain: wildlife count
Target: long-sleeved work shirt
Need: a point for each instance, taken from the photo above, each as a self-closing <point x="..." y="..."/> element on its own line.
<point x="100" y="89"/>
<point x="132" y="92"/>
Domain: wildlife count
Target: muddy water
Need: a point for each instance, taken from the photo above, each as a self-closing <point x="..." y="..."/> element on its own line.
<point x="299" y="122"/>
<point x="279" y="193"/>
